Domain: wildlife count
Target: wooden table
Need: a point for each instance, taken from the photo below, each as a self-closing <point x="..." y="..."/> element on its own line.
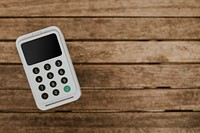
<point x="138" y="63"/>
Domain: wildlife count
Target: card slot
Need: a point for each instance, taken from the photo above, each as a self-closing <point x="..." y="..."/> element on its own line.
<point x="59" y="101"/>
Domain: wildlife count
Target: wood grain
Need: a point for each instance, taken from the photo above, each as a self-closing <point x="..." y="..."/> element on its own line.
<point x="114" y="45"/>
<point x="120" y="52"/>
<point x="109" y="100"/>
<point x="106" y="28"/>
<point x="124" y="76"/>
<point x="100" y="122"/>
<point x="99" y="8"/>
<point x="98" y="129"/>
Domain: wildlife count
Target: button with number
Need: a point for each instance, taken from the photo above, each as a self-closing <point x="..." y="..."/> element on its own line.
<point x="56" y="92"/>
<point x="67" y="88"/>
<point x="41" y="87"/>
<point x="47" y="67"/>
<point x="38" y="79"/>
<point x="45" y="96"/>
<point x="36" y="70"/>
<point x="64" y="80"/>
<point x="58" y="63"/>
<point x="50" y="75"/>
<point x="53" y="84"/>
<point x="61" y="71"/>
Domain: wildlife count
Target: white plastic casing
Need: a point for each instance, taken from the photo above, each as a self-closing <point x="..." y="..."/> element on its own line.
<point x="63" y="97"/>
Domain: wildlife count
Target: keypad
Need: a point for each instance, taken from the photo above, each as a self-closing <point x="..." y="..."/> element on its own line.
<point x="51" y="80"/>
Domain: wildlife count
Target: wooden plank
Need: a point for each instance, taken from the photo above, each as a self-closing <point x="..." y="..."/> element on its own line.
<point x="100" y="8"/>
<point x="106" y="28"/>
<point x="120" y="52"/>
<point x="109" y="100"/>
<point x="99" y="122"/>
<point x="98" y="130"/>
<point x="128" y="76"/>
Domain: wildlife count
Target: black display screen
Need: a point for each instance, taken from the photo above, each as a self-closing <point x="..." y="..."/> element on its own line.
<point x="41" y="49"/>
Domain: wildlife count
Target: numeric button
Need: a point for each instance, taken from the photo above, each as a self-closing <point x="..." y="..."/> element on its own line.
<point x="61" y="71"/>
<point x="38" y="79"/>
<point x="41" y="87"/>
<point x="36" y="70"/>
<point x="58" y="63"/>
<point x="47" y="66"/>
<point x="64" y="80"/>
<point x="56" y="92"/>
<point x="53" y="84"/>
<point x="50" y="75"/>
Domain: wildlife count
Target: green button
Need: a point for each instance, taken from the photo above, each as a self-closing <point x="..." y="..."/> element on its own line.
<point x="67" y="88"/>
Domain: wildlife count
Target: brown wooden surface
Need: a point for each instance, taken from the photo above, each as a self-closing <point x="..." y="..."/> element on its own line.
<point x="100" y="122"/>
<point x="120" y="52"/>
<point x="120" y="76"/>
<point x="107" y="28"/>
<point x="137" y="62"/>
<point x="102" y="8"/>
<point x="110" y="100"/>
